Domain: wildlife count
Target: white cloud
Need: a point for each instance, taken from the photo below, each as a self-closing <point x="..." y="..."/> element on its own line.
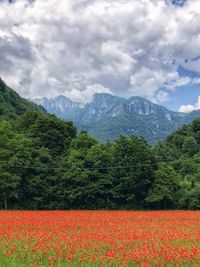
<point x="196" y="81"/>
<point x="162" y="96"/>
<point x="117" y="61"/>
<point x="178" y="82"/>
<point x="129" y="47"/>
<point x="87" y="94"/>
<point x="189" y="108"/>
<point x="146" y="82"/>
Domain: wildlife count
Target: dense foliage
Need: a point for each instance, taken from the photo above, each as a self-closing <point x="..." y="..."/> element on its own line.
<point x="45" y="164"/>
<point x="181" y="151"/>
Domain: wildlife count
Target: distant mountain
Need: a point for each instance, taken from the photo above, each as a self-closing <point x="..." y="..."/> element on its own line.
<point x="106" y="117"/>
<point x="61" y="106"/>
<point x="12" y="105"/>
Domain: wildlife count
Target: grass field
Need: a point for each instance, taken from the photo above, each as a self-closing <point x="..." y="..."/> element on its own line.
<point x="99" y="238"/>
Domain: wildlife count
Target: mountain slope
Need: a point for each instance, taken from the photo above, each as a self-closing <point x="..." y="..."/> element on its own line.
<point x="61" y="106"/>
<point x="106" y="117"/>
<point x="136" y="116"/>
<point x="97" y="109"/>
<point x="12" y="105"/>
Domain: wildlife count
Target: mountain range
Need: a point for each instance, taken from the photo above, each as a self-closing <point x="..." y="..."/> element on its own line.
<point x="106" y="116"/>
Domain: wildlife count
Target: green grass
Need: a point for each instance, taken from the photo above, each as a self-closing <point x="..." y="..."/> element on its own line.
<point x="10" y="261"/>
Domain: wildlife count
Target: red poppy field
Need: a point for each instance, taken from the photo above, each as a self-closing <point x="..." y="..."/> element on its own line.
<point x="99" y="238"/>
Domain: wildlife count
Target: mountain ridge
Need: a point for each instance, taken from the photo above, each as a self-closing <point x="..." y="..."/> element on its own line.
<point x="107" y="116"/>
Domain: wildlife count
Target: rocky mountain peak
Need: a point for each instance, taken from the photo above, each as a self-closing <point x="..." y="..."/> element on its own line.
<point x="142" y="106"/>
<point x="103" y="99"/>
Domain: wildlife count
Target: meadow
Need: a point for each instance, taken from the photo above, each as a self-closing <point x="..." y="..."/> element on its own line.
<point x="99" y="238"/>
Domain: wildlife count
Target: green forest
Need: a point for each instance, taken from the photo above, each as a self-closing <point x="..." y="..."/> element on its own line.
<point x="46" y="164"/>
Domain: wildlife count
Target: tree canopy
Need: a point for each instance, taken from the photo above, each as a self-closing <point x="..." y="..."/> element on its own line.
<point x="46" y="164"/>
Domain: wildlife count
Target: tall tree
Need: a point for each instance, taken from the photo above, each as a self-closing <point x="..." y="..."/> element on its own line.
<point x="133" y="167"/>
<point x="14" y="152"/>
<point x="162" y="194"/>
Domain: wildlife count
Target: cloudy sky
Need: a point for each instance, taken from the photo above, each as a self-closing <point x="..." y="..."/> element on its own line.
<point x="76" y="48"/>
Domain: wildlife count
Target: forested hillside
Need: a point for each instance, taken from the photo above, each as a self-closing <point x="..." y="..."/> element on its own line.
<point x="12" y="105"/>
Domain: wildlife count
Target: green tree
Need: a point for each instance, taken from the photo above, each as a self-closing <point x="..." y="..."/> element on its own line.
<point x="86" y="183"/>
<point x="38" y="182"/>
<point x="9" y="183"/>
<point x="190" y="146"/>
<point x="132" y="173"/>
<point x="49" y="131"/>
<point x="162" y="194"/>
<point x="14" y="152"/>
<point x="196" y="125"/>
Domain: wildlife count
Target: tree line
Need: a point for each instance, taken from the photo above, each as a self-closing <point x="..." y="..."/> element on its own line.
<point x="46" y="164"/>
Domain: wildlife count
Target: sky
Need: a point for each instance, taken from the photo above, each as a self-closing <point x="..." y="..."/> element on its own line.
<point x="76" y="48"/>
